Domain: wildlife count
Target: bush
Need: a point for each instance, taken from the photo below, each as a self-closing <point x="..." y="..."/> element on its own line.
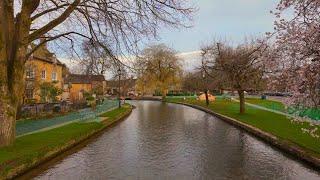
<point x="30" y="101"/>
<point x="56" y="109"/>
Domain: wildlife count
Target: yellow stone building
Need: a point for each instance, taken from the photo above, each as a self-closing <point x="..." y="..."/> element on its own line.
<point x="77" y="84"/>
<point x="42" y="66"/>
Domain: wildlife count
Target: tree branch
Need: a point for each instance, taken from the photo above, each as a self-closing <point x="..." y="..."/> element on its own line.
<point x="40" y="32"/>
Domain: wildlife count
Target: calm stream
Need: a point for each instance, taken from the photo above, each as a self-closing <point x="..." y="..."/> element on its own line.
<point x="167" y="141"/>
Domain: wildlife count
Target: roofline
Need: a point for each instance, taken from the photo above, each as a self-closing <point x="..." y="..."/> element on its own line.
<point x="48" y="61"/>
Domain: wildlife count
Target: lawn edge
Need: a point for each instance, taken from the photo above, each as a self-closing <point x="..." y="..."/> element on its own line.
<point x="297" y="151"/>
<point x="24" y="168"/>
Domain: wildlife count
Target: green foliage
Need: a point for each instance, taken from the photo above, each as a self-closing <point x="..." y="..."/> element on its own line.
<point x="91" y="100"/>
<point x="181" y="94"/>
<point x="49" y="92"/>
<point x="98" y="90"/>
<point x="88" y="96"/>
<point x="312" y="113"/>
<point x="30" y="101"/>
<point x="159" y="69"/>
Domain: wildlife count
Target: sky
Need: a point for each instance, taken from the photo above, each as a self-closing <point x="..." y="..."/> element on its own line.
<point x="232" y="20"/>
<point x="228" y="19"/>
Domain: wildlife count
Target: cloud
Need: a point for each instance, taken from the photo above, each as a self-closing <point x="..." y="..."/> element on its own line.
<point x="188" y="54"/>
<point x="190" y="60"/>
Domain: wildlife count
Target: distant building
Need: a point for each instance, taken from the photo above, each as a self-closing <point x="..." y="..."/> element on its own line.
<point x="202" y="97"/>
<point x="127" y="87"/>
<point x="77" y="84"/>
<point x="42" y="66"/>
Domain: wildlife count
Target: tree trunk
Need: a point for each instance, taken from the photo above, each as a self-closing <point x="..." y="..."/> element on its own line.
<point x="13" y="50"/>
<point x="207" y="97"/>
<point x="164" y="95"/>
<point x="242" y="101"/>
<point x="7" y="123"/>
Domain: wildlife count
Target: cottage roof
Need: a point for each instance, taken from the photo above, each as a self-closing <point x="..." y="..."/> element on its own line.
<point x="83" y="79"/>
<point x="43" y="54"/>
<point x="115" y="83"/>
<point x="49" y="60"/>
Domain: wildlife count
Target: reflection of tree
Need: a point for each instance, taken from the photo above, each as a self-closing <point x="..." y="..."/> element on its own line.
<point x="159" y="132"/>
<point x="215" y="148"/>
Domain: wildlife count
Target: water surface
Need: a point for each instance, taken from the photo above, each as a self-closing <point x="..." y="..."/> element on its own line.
<point x="167" y="141"/>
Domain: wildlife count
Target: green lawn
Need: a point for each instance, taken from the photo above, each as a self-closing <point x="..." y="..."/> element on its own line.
<point x="270" y="104"/>
<point x="312" y="113"/>
<point x="30" y="148"/>
<point x="115" y="113"/>
<point x="276" y="124"/>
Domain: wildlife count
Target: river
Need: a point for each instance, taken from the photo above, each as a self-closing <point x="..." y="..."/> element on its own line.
<point x="168" y="141"/>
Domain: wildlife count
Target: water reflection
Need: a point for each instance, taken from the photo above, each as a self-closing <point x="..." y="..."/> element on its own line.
<point x="166" y="141"/>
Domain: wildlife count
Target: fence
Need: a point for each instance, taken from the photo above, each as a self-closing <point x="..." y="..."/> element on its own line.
<point x="29" y="126"/>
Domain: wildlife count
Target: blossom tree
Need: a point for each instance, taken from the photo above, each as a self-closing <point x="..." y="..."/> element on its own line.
<point x="298" y="40"/>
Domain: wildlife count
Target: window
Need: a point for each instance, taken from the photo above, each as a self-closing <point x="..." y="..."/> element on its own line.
<point x="43" y="74"/>
<point x="29" y="93"/>
<point x="54" y="76"/>
<point x="30" y="73"/>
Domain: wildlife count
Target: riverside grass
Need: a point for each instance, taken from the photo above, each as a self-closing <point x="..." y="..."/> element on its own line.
<point x="275" y="124"/>
<point x="28" y="149"/>
<point x="270" y="104"/>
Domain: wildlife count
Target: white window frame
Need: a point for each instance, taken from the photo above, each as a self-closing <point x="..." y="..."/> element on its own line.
<point x="43" y="74"/>
<point x="30" y="74"/>
<point x="54" y="76"/>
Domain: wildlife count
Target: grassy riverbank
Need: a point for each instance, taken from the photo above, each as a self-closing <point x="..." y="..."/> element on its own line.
<point x="29" y="150"/>
<point x="270" y="104"/>
<point x="276" y="124"/>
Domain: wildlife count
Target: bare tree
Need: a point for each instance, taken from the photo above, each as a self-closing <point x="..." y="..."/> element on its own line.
<point x="95" y="60"/>
<point x="240" y="68"/>
<point x="23" y="22"/>
<point x="193" y="82"/>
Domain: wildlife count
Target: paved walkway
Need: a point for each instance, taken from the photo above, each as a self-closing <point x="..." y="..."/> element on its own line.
<point x="26" y="127"/>
<point x="274" y="111"/>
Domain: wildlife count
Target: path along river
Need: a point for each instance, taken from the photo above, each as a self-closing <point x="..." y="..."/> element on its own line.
<point x="168" y="141"/>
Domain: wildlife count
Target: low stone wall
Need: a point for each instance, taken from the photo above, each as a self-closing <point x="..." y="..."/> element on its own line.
<point x="18" y="171"/>
<point x="288" y="147"/>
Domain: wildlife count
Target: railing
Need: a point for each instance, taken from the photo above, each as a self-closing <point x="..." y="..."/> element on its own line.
<point x="29" y="126"/>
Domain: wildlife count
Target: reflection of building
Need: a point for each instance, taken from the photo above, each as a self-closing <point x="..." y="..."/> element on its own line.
<point x="41" y="67"/>
<point x="127" y="87"/>
<point x="76" y="85"/>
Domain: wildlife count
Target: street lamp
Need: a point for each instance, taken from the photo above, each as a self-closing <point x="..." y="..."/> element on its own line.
<point x="218" y="45"/>
<point x="119" y="73"/>
<point x="205" y="87"/>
